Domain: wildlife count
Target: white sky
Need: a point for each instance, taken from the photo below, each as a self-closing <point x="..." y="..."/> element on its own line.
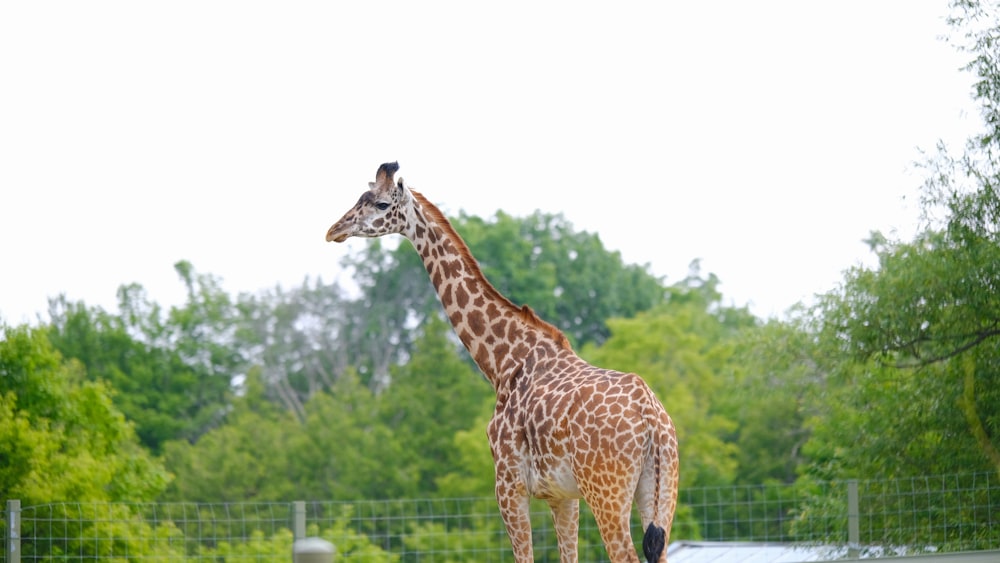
<point x="766" y="138"/>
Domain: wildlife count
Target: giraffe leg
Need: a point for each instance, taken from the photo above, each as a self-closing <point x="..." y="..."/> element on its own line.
<point x="515" y="511"/>
<point x="613" y="514"/>
<point x="566" y="516"/>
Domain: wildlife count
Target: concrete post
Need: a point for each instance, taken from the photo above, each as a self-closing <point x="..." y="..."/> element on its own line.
<point x="312" y="550"/>
<point x="853" y="520"/>
<point x="14" y="531"/>
<point x="299" y="519"/>
<point x="307" y="550"/>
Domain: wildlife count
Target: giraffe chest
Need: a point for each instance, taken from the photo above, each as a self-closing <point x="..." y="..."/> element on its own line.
<point x="534" y="449"/>
<point x="544" y="466"/>
<point x="550" y="476"/>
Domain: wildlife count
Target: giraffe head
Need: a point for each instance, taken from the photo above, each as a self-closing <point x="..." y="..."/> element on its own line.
<point x="382" y="210"/>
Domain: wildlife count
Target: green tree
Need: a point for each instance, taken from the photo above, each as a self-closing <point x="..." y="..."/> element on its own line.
<point x="432" y="396"/>
<point x="243" y="459"/>
<point x="172" y="371"/>
<point x="395" y="297"/>
<point x="151" y="384"/>
<point x="203" y="332"/>
<point x="912" y="373"/>
<point x="262" y="452"/>
<point x="60" y="435"/>
<point x="770" y="393"/>
<point x="61" y="438"/>
<point x="470" y="476"/>
<point x="344" y="451"/>
<point x="925" y="323"/>
<point x="472" y="473"/>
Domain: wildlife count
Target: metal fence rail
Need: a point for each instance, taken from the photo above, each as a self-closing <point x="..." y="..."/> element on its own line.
<point x="870" y="518"/>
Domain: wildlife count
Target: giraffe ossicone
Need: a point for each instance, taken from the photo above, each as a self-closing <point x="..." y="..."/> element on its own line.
<point x="562" y="429"/>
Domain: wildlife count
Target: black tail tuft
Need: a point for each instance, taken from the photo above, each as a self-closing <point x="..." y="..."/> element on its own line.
<point x="653" y="543"/>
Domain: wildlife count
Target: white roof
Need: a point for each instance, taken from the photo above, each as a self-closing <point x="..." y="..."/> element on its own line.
<point x="762" y="552"/>
<point x="748" y="552"/>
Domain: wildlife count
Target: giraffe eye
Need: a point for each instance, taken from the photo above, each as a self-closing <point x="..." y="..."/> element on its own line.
<point x="381" y="206"/>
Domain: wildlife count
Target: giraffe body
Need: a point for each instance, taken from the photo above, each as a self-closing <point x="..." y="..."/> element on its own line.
<point x="562" y="429"/>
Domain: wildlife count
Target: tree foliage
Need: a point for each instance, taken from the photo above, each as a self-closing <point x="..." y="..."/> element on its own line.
<point x="61" y="437"/>
<point x="433" y="396"/>
<point x="172" y="371"/>
<point x="770" y="393"/>
<point x="924" y="325"/>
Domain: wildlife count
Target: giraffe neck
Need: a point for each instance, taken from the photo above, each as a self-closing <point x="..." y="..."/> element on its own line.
<point x="498" y="334"/>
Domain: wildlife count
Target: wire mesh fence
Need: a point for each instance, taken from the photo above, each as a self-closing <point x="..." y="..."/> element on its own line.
<point x="874" y="517"/>
<point x="942" y="513"/>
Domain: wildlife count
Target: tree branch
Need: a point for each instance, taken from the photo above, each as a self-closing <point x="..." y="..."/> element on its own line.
<point x="977" y="339"/>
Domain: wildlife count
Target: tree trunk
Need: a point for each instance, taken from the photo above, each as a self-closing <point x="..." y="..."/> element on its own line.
<point x="968" y="405"/>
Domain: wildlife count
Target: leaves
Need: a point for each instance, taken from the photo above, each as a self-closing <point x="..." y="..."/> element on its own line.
<point x="60" y="435"/>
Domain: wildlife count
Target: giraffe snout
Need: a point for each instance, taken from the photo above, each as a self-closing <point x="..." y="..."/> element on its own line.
<point x="336" y="234"/>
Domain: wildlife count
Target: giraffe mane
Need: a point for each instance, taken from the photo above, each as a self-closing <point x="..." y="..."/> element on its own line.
<point x="524" y="312"/>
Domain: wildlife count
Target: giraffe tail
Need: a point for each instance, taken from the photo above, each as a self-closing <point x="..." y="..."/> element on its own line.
<point x="653" y="542"/>
<point x="662" y="491"/>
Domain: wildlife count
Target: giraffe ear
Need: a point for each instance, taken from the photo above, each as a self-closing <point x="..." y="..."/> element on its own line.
<point x="371" y="185"/>
<point x="383" y="178"/>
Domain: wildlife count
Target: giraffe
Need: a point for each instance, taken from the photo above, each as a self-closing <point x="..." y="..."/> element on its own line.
<point x="562" y="429"/>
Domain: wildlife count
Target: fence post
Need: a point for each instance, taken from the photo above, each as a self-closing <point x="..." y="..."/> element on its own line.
<point x="307" y="550"/>
<point x="299" y="519"/>
<point x="14" y="531"/>
<point x="853" y="520"/>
